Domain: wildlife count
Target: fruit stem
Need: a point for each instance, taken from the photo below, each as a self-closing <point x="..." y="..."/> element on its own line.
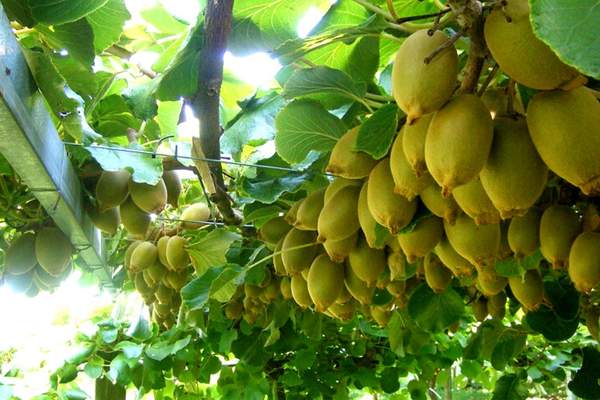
<point x="390" y="6"/>
<point x="510" y="103"/>
<point x="488" y="80"/>
<point x="372" y="104"/>
<point x="443" y="47"/>
<point x="378" y="97"/>
<point x="371" y="7"/>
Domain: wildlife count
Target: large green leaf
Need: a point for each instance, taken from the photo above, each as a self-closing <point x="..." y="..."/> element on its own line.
<point x="585" y="382"/>
<point x="435" y="312"/>
<point x="159" y="17"/>
<point x="320" y="80"/>
<point x="107" y="23"/>
<point x="161" y="350"/>
<point x="196" y="293"/>
<point x="209" y="250"/>
<point x="77" y="38"/>
<point x="144" y="168"/>
<point x="571" y="29"/>
<point x="56" y="12"/>
<point x="509" y="387"/>
<point x="267" y="189"/>
<point x="376" y="134"/>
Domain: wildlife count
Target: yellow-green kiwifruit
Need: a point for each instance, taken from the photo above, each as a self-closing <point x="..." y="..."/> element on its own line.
<point x="107" y="221"/>
<point x="406" y="182"/>
<point x="308" y="212"/>
<point x="437" y="276"/>
<point x="22" y="283"/>
<point x="161" y="246"/>
<point x="383" y="279"/>
<point x="524" y="233"/>
<point x="285" y="286"/>
<point x="271" y="292"/>
<point x="304" y="273"/>
<point x="112" y="189"/>
<point x="388" y="208"/>
<point x="177" y="279"/>
<point x="53" y="250"/>
<point x="325" y="281"/>
<point x="274" y="230"/>
<point x="134" y="220"/>
<point x="163" y="310"/>
<point x="343" y="311"/>
<point x="489" y="282"/>
<point x="584" y="261"/>
<point x="194" y="215"/>
<point x="474" y="201"/>
<point x="338" y="250"/>
<point x="496" y="100"/>
<point x="344" y="295"/>
<point x="144" y="255"/>
<point x="177" y="255"/>
<point x="164" y="295"/>
<point x="367" y="263"/>
<point x="233" y="310"/>
<point x="396" y="288"/>
<point x="290" y="215"/>
<point x="559" y="226"/>
<point x="173" y="185"/>
<point x="267" y="278"/>
<point x="381" y="315"/>
<point x="413" y="143"/>
<point x="337" y="184"/>
<point x="514" y="175"/>
<point x="141" y="286"/>
<point x="357" y="287"/>
<point x="148" y="278"/>
<point x="339" y="218"/>
<point x="456" y="263"/>
<point x="421" y="85"/>
<point x="129" y="252"/>
<point x="496" y="305"/>
<point x="565" y="128"/>
<point x="367" y="223"/>
<point x="252" y="291"/>
<point x="519" y="53"/>
<point x="348" y="163"/>
<point x="20" y="256"/>
<point x="278" y="260"/>
<point x="591" y="219"/>
<point x="422" y="239"/>
<point x="396" y="261"/>
<point x="443" y="207"/>
<point x="479" y="308"/>
<point x="295" y="260"/>
<point x="300" y="291"/>
<point x="477" y="243"/>
<point x="156" y="272"/>
<point x="529" y="290"/>
<point x="449" y="161"/>
<point x="149" y="198"/>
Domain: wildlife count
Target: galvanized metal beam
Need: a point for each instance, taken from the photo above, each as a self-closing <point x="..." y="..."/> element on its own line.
<point x="30" y="143"/>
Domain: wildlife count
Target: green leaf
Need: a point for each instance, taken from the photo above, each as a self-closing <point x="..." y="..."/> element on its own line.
<point x="141" y="100"/>
<point x="376" y="134"/>
<point x="322" y="79"/>
<point x="435" y="312"/>
<point x="547" y="322"/>
<point x="585" y="382"/>
<point x="217" y="283"/>
<point x="268" y="190"/>
<point x="130" y="350"/>
<point x="509" y="387"/>
<point x="18" y="10"/>
<point x="303" y="359"/>
<point x="390" y="380"/>
<point x="308" y="120"/>
<point x="162" y="20"/>
<point x="56" y="12"/>
<point x="224" y="286"/>
<point x="161" y="350"/>
<point x="79" y="78"/>
<point x="67" y="373"/>
<point x="81" y="353"/>
<point x="107" y="23"/>
<point x="482" y="343"/>
<point x="509" y="345"/>
<point x="210" y="250"/>
<point x="571" y="30"/>
<point x="143" y="168"/>
<point x="119" y="370"/>
<point x="396" y="332"/>
<point x="77" y="38"/>
<point x="94" y="367"/>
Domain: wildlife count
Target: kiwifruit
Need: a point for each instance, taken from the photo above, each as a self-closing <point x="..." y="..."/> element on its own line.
<point x="45" y="281"/>
<point x="300" y="291"/>
<point x="367" y="223"/>
<point x="134" y="220"/>
<point x="290" y="215"/>
<point x="164" y="295"/>
<point x="388" y="208"/>
<point x="297" y="260"/>
<point x="524" y="233"/>
<point x="325" y="281"/>
<point x="396" y="261"/>
<point x="141" y="286"/>
<point x="396" y="288"/>
<point x="308" y="212"/>
<point x="233" y="310"/>
<point x="304" y="273"/>
<point x="274" y="230"/>
<point x="144" y="255"/>
<point x="193" y="215"/>
<point x="267" y="277"/>
<point x="343" y="311"/>
<point x="173" y="185"/>
<point x="278" y="260"/>
<point x="383" y="279"/>
<point x="156" y="272"/>
<point x="337" y="184"/>
<point x="20" y="256"/>
<point x="148" y="278"/>
<point x="443" y="207"/>
<point x="339" y="217"/>
<point x="496" y="305"/>
<point x="456" y="263"/>
<point x="421" y="84"/>
<point x="519" y="53"/>
<point x="129" y="252"/>
<point x="381" y="315"/>
<point x="406" y="182"/>
<point x="514" y="175"/>
<point x="489" y="282"/>
<point x="347" y="162"/>
<point x="437" y="276"/>
<point x="449" y="161"/>
<point x="285" y="286"/>
<point x="149" y="198"/>
<point x="344" y="295"/>
<point x="367" y="263"/>
<point x="422" y="239"/>
<point x="161" y="246"/>
<point x="107" y="221"/>
<point x="19" y="283"/>
<point x="177" y="279"/>
<point x="270" y="292"/>
<point x="559" y="226"/>
<point x="252" y="291"/>
<point x="479" y="307"/>
<point x="413" y="143"/>
<point x="177" y="255"/>
<point x="112" y="189"/>
<point x="565" y="128"/>
<point x="477" y="243"/>
<point x="338" y="250"/>
<point x="529" y="290"/>
<point x="584" y="261"/>
<point x="474" y="201"/>
<point x="591" y="218"/>
<point x="53" y="250"/>
<point x="591" y="322"/>
<point x="357" y="287"/>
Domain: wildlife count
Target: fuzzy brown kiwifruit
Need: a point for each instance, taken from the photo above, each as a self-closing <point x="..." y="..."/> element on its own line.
<point x="496" y="305"/>
<point x="177" y="255"/>
<point x="456" y="263"/>
<point x="107" y="221"/>
<point x="337" y="184"/>
<point x="285" y="286"/>
<point x="348" y="163"/>
<point x="480" y="309"/>
<point x="19" y="258"/>
<point x="144" y="255"/>
<point x="367" y="223"/>
<point x="274" y="230"/>
<point x="173" y="185"/>
<point x="53" y="250"/>
<point x="559" y="226"/>
<point x="357" y="287"/>
<point x="338" y="250"/>
<point x="343" y="311"/>
<point x="489" y="282"/>
<point x="300" y="292"/>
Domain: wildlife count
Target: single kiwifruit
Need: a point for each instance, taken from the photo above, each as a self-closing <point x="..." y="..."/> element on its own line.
<point x="274" y="230"/>
<point x="309" y="210"/>
<point x="565" y="128"/>
<point x="161" y="246"/>
<point x="437" y="276"/>
<point x="388" y="208"/>
<point x="194" y="215"/>
<point x="496" y="305"/>
<point x="524" y="233"/>
<point x="285" y="286"/>
<point x="413" y="143"/>
<point x="107" y="221"/>
<point x="406" y="182"/>
<point x="338" y="184"/>
<point x="325" y="281"/>
<point x="559" y="226"/>
<point x="252" y="291"/>
<point x="295" y="259"/>
<point x="514" y="175"/>
<point x="177" y="279"/>
<point x="133" y="219"/>
<point x="156" y="272"/>
<point x="528" y="290"/>
<point x="463" y="120"/>
<point x="20" y="256"/>
<point x="591" y="218"/>
<point x="21" y="283"/>
<point x="480" y="309"/>
<point x="367" y="263"/>
<point x="367" y="223"/>
<point x="519" y="53"/>
<point x="338" y="250"/>
<point x="396" y="288"/>
<point x="396" y="261"/>
<point x="421" y="83"/>
<point x="177" y="255"/>
<point x="474" y="201"/>
<point x="343" y="311"/>
<point x="584" y="261"/>
<point x="422" y="239"/>
<point x="339" y="217"/>
<point x="149" y="198"/>
<point x="233" y="310"/>
<point x="141" y="286"/>
<point x="347" y="162"/>
<point x="290" y="215"/>
<point x="112" y="189"/>
<point x="443" y="207"/>
<point x="489" y="282"/>
<point x="129" y="252"/>
<point x="344" y="295"/>
<point x="270" y="292"/>
<point x="300" y="291"/>
<point x="357" y="287"/>
<point x="53" y="250"/>
<point x="477" y="243"/>
<point x="456" y="263"/>
<point x="381" y="315"/>
<point x="144" y="255"/>
<point x="164" y="295"/>
<point x="278" y="260"/>
<point x="173" y="185"/>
